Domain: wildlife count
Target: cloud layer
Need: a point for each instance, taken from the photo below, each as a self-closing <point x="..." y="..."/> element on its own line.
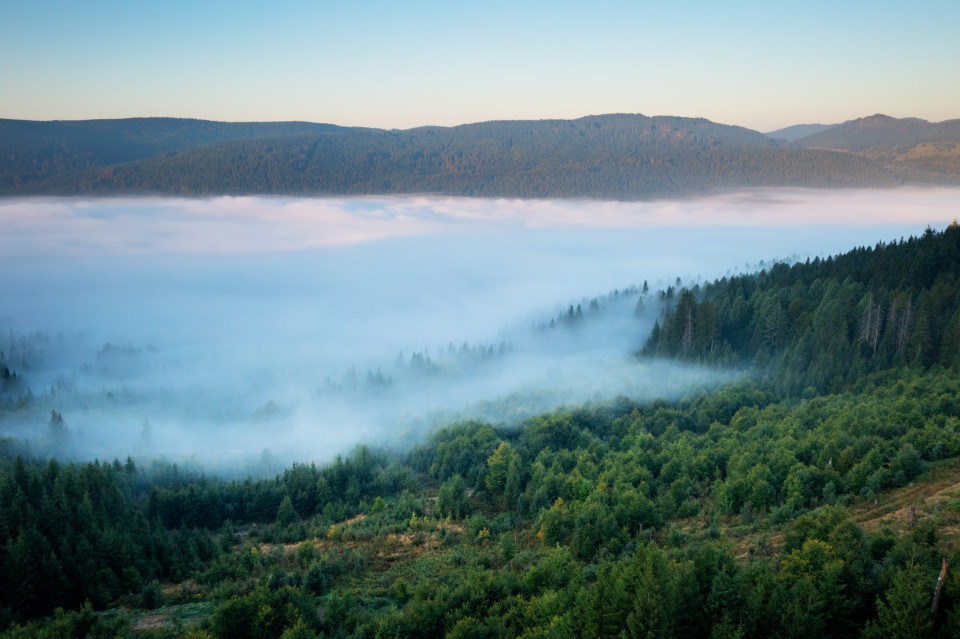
<point x="254" y="225"/>
<point x="234" y="324"/>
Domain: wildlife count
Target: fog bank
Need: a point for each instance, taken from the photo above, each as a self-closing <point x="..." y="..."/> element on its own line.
<point x="219" y="328"/>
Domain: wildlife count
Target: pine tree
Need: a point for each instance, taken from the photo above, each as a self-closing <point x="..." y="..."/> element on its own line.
<point x="904" y="611"/>
<point x="58" y="428"/>
<point x="286" y="514"/>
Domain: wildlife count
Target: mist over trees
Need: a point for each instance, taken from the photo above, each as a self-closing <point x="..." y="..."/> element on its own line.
<point x="813" y="494"/>
<point x="836" y="319"/>
<point x="250" y="342"/>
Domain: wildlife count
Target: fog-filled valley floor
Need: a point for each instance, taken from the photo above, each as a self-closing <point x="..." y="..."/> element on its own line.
<point x="423" y="417"/>
<point x="245" y="331"/>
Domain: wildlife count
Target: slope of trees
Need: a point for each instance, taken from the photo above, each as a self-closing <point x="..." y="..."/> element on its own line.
<point x="612" y="156"/>
<point x="882" y="132"/>
<point x="727" y="512"/>
<point x="34" y="151"/>
<point x="823" y="325"/>
<point x="918" y="150"/>
<point x="801" y="500"/>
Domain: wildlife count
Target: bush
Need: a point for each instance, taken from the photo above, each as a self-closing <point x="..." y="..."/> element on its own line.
<point x="150" y="596"/>
<point x="317" y="581"/>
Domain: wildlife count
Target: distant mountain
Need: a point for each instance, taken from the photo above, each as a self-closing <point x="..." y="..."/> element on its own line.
<point x="882" y="132"/>
<point x="916" y="149"/>
<point x="617" y="156"/>
<point x="32" y="151"/>
<point x="798" y="131"/>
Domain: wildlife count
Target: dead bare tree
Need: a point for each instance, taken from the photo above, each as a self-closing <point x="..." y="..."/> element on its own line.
<point x="942" y="578"/>
<point x="870" y="323"/>
<point x="904" y="324"/>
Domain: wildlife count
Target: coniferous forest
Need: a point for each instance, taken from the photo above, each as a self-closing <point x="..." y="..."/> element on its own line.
<point x="816" y="494"/>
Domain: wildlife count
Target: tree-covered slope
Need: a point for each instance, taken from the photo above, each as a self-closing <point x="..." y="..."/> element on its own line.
<point x="921" y="151"/>
<point x="882" y="132"/>
<point x="33" y="151"/>
<point x="797" y="131"/>
<point x="819" y="495"/>
<point x="614" y="156"/>
<point x="729" y="512"/>
<point x="826" y="323"/>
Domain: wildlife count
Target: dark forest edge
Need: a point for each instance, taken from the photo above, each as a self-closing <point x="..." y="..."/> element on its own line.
<point x="623" y="157"/>
<point x="817" y="495"/>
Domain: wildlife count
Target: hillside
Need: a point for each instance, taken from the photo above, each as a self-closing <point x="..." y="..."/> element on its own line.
<point x="919" y="150"/>
<point x="33" y="151"/>
<point x="817" y="495"/>
<point x="882" y="132"/>
<point x="612" y="157"/>
<point x="797" y="131"/>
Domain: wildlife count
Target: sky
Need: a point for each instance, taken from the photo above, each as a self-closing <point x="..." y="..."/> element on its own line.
<point x="759" y="64"/>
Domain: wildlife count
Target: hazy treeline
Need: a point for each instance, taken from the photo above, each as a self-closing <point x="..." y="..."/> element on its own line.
<point x="614" y="321"/>
<point x="39" y="150"/>
<point x="116" y="399"/>
<point x="921" y="151"/>
<point x="623" y="157"/>
<point x="881" y="133"/>
<point x="825" y="323"/>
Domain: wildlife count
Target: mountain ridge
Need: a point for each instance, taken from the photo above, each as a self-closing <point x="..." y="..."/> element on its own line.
<point x="611" y="156"/>
<point x="798" y="131"/>
<point x="922" y="152"/>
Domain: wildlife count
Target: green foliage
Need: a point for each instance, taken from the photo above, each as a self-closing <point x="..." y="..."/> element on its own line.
<point x="316" y="580"/>
<point x="904" y="610"/>
<point x="459" y="450"/>
<point x="151" y="596"/>
<point x="286" y="515"/>
<point x="729" y="514"/>
<point x="824" y="324"/>
<point x="262" y="613"/>
<point x="500" y="465"/>
<point x="452" y="500"/>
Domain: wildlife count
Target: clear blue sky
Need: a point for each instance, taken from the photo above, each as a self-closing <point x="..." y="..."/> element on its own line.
<point x="761" y="64"/>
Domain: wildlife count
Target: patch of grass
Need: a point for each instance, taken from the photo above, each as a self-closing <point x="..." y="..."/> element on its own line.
<point x="169" y="617"/>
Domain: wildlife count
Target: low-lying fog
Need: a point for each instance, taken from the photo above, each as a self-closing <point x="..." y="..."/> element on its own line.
<point x="223" y="327"/>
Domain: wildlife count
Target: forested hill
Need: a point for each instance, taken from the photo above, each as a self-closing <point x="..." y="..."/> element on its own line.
<point x="881" y="132"/>
<point x="611" y="157"/>
<point x="823" y="324"/>
<point x="915" y="149"/>
<point x="798" y="131"/>
<point x="743" y="512"/>
<point x="33" y="151"/>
